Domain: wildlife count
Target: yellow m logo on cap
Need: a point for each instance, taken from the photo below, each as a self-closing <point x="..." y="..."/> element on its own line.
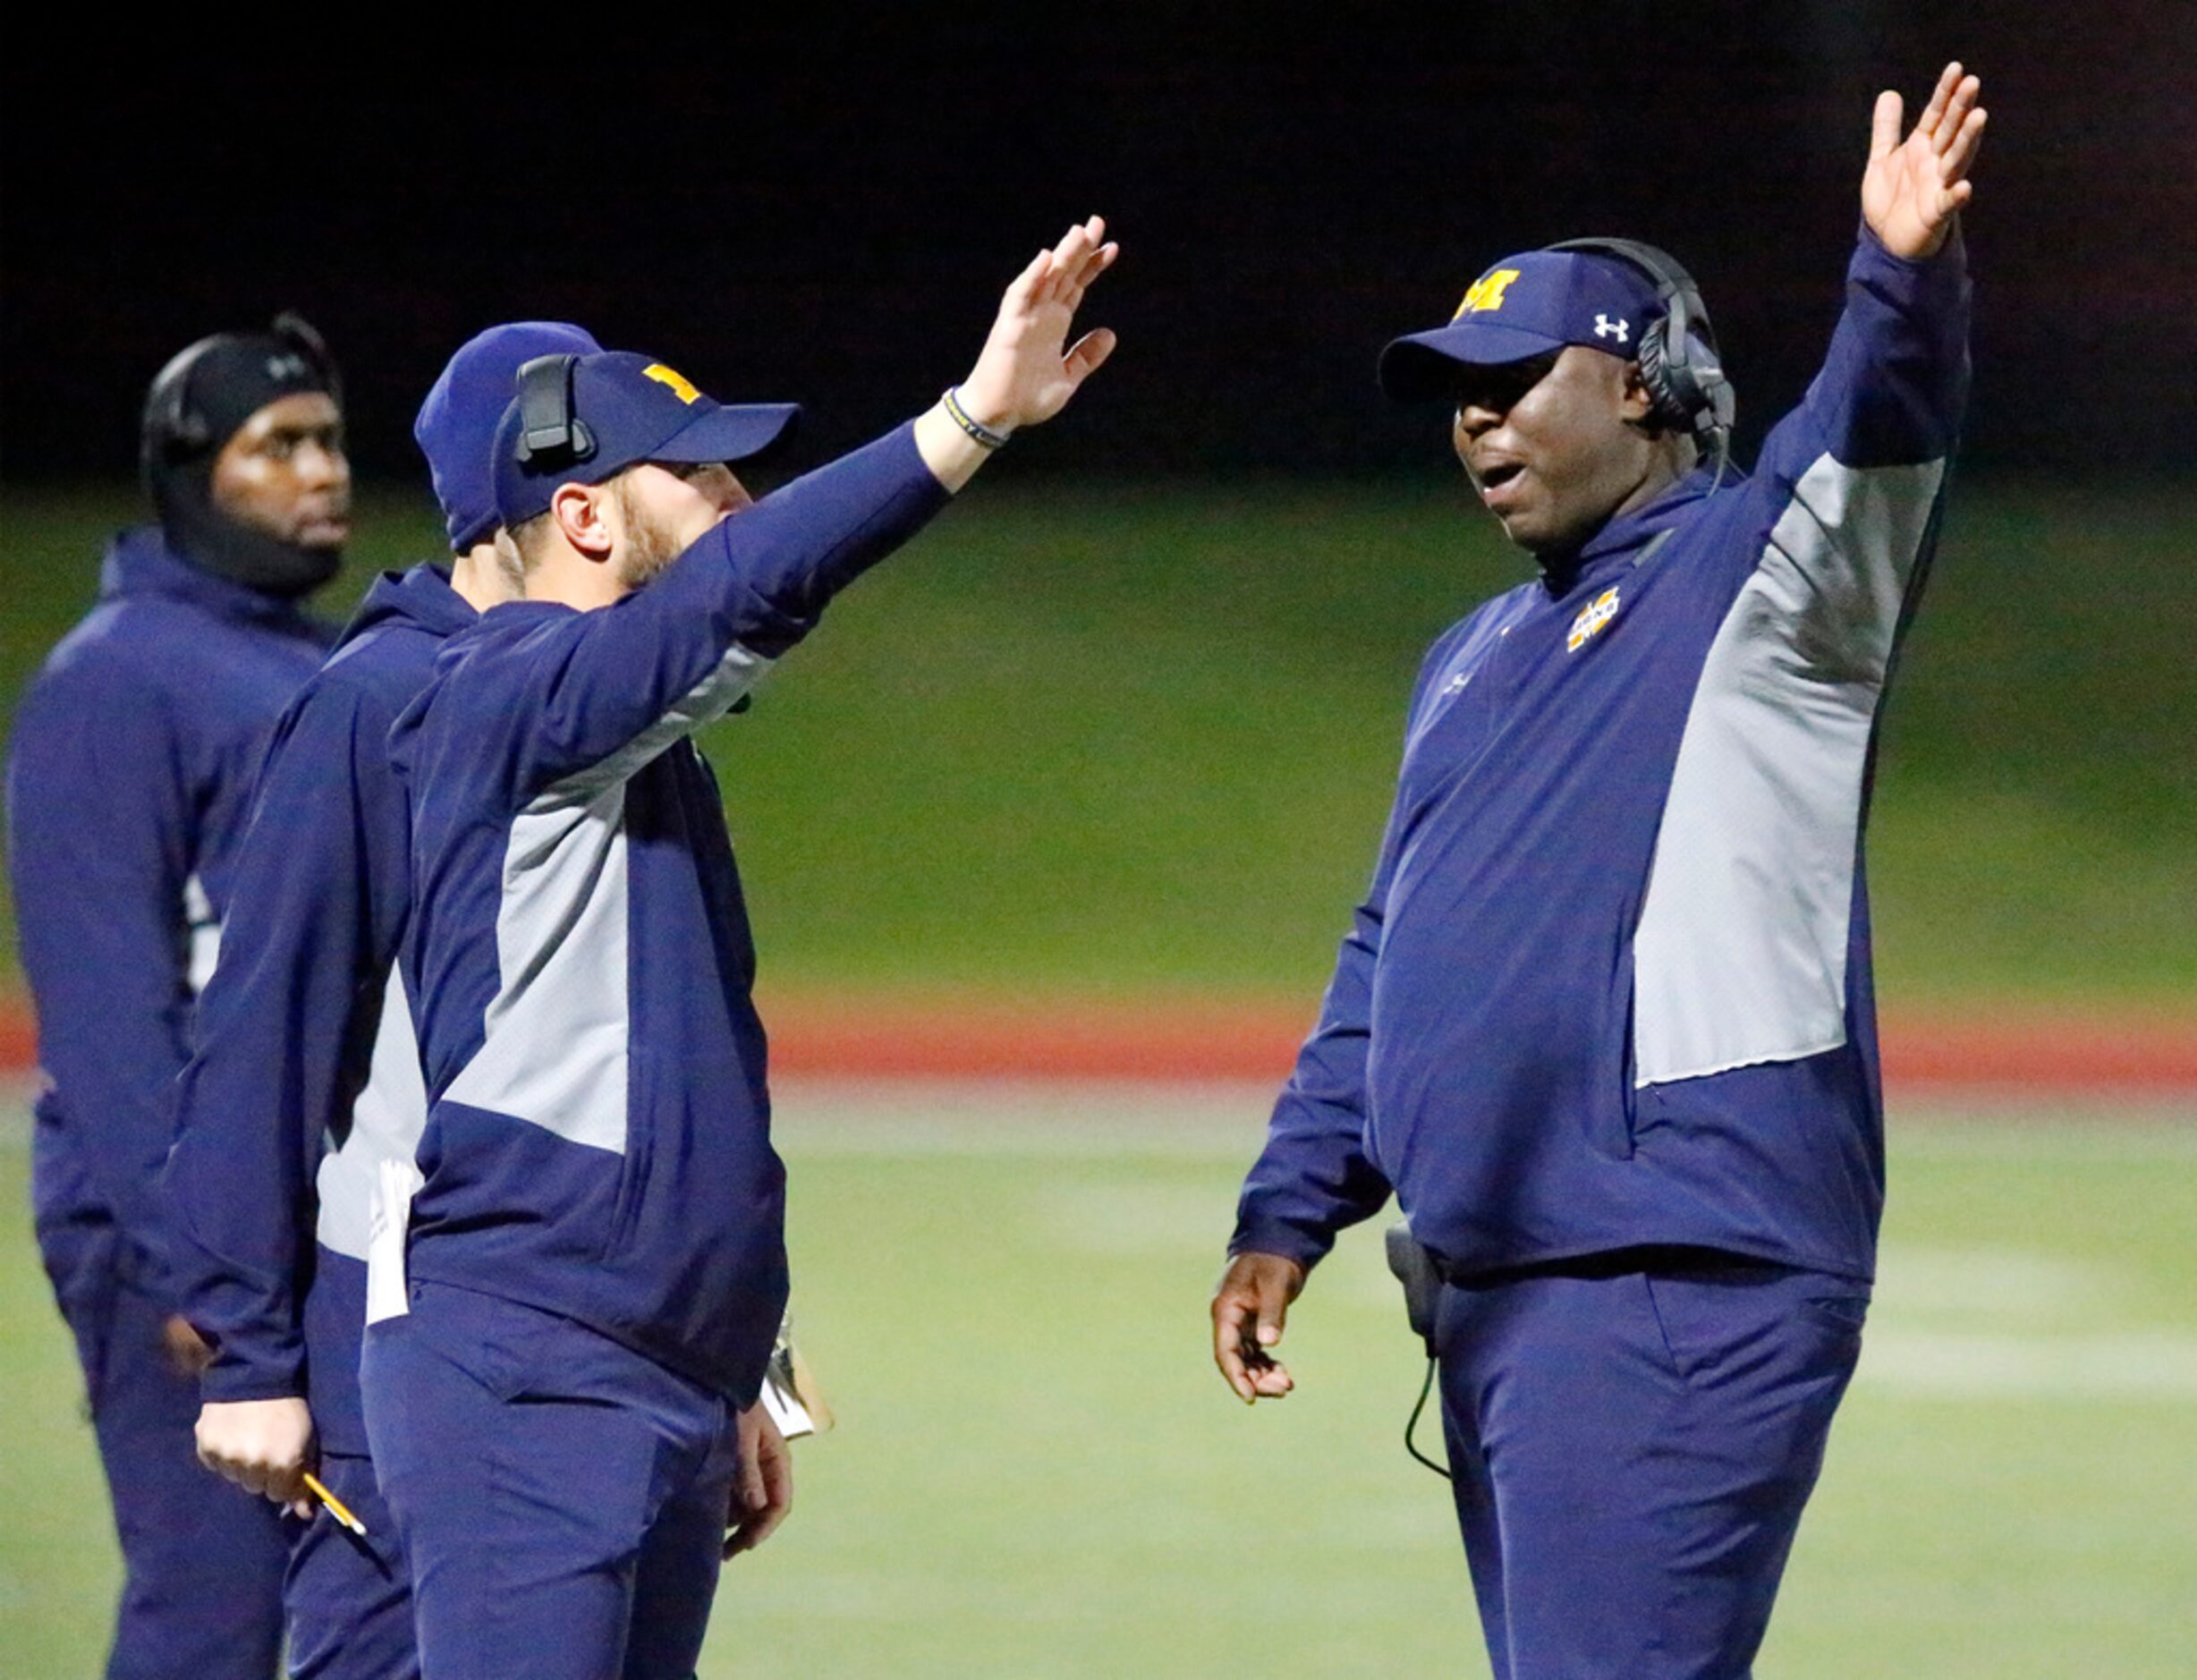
<point x="1487" y="292"/>
<point x="678" y="381"/>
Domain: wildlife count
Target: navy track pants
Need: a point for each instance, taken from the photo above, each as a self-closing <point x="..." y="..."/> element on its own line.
<point x="1633" y="1440"/>
<point x="349" y="1600"/>
<point x="561" y="1497"/>
<point x="202" y="1561"/>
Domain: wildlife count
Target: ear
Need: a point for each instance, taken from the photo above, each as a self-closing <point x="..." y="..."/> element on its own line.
<point x="582" y="515"/>
<point x="1635" y="405"/>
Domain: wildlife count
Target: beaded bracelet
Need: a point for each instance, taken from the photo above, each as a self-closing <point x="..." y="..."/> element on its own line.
<point x="975" y="427"/>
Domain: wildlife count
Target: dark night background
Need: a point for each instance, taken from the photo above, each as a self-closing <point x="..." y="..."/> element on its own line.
<point x="829" y="213"/>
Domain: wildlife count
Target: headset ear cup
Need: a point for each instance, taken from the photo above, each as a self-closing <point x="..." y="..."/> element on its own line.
<point x="1654" y="375"/>
<point x="301" y="335"/>
<point x="550" y="433"/>
<point x="182" y="429"/>
<point x="1681" y="402"/>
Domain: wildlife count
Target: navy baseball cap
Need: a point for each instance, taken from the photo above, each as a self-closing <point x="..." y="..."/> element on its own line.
<point x="627" y="409"/>
<point x="458" y="421"/>
<point x="1526" y="306"/>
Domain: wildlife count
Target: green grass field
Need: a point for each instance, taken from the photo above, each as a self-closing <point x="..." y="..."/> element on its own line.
<point x="1037" y="1472"/>
<point x="1143" y="737"/>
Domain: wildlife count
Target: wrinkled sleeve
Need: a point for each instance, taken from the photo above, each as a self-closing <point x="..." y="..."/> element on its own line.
<point x="1314" y="1177"/>
<point x="1893" y="385"/>
<point x="102" y="841"/>
<point x="282" y="1030"/>
<point x="603" y="691"/>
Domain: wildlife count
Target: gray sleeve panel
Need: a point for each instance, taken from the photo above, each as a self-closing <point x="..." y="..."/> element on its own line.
<point x="386" y="1120"/>
<point x="708" y="701"/>
<point x="1740" y="956"/>
<point x="554" y="1041"/>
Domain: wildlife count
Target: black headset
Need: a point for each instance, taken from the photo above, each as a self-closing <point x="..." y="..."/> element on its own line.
<point x="1690" y="393"/>
<point x="179" y="431"/>
<point x="550" y="434"/>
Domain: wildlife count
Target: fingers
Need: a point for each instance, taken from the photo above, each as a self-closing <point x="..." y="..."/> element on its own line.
<point x="284" y="1484"/>
<point x="753" y="1495"/>
<point x="1067" y="259"/>
<point x="1272" y="1380"/>
<point x="1940" y="100"/>
<point x="777" y="1490"/>
<point x="1023" y="290"/>
<point x="1883" y="125"/>
<point x="1273" y="1309"/>
<point x="1957" y="106"/>
<point x="766" y="1504"/>
<point x="1088" y="356"/>
<point x="1229" y="1311"/>
<point x="763" y="1491"/>
<point x="1249" y="1311"/>
<point x="264" y="1446"/>
<point x="1081" y="256"/>
<point x="1960" y="153"/>
<point x="1070" y="293"/>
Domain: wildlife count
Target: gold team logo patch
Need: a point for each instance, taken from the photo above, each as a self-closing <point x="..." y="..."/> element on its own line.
<point x="1486" y="292"/>
<point x="1593" y="619"/>
<point x="671" y="377"/>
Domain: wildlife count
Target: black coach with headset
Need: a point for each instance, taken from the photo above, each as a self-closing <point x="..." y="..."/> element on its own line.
<point x="129" y="778"/>
<point x="1605" y="1024"/>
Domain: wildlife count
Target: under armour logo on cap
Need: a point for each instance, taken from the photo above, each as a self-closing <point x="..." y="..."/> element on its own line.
<point x="1604" y="328"/>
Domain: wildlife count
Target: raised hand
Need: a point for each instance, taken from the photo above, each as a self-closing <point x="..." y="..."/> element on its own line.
<point x="1912" y="189"/>
<point x="1024" y="375"/>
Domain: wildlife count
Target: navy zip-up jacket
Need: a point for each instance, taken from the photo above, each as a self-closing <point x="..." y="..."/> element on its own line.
<point x="306" y="1077"/>
<point x="1611" y="984"/>
<point x="597" y="1141"/>
<point x="129" y="778"/>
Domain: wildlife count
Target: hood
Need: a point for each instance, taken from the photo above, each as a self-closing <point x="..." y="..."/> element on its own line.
<point x="420" y="599"/>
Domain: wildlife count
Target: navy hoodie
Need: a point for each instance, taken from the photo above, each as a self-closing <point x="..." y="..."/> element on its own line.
<point x="307" y="1072"/>
<point x="598" y="1139"/>
<point x="1611" y="986"/>
<point x="129" y="778"/>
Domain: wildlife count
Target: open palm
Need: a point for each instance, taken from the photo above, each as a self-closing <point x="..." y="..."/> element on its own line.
<point x="1912" y="189"/>
<point x="1026" y="373"/>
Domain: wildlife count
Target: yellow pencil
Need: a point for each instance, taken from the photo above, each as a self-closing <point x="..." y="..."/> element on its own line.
<point x="337" y="1507"/>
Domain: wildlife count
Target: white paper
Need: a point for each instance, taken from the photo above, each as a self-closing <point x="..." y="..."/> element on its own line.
<point x="395" y="1184"/>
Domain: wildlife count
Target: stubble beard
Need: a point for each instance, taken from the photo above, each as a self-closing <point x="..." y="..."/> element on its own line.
<point x="649" y="548"/>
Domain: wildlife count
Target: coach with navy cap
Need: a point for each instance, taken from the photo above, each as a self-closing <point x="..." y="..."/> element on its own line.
<point x="566" y="1421"/>
<point x="132" y="760"/>
<point x="298" y="1116"/>
<point x="1605" y="1022"/>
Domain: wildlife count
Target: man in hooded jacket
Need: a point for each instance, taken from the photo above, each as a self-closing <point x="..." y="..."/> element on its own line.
<point x="129" y="777"/>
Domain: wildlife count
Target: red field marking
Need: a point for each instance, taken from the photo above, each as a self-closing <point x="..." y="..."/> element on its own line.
<point x="2063" y="1052"/>
<point x="19" y="1035"/>
<point x="2025" y="1048"/>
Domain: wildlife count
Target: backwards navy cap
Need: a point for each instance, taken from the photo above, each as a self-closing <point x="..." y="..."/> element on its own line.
<point x="625" y="410"/>
<point x="1526" y="306"/>
<point x="458" y="421"/>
